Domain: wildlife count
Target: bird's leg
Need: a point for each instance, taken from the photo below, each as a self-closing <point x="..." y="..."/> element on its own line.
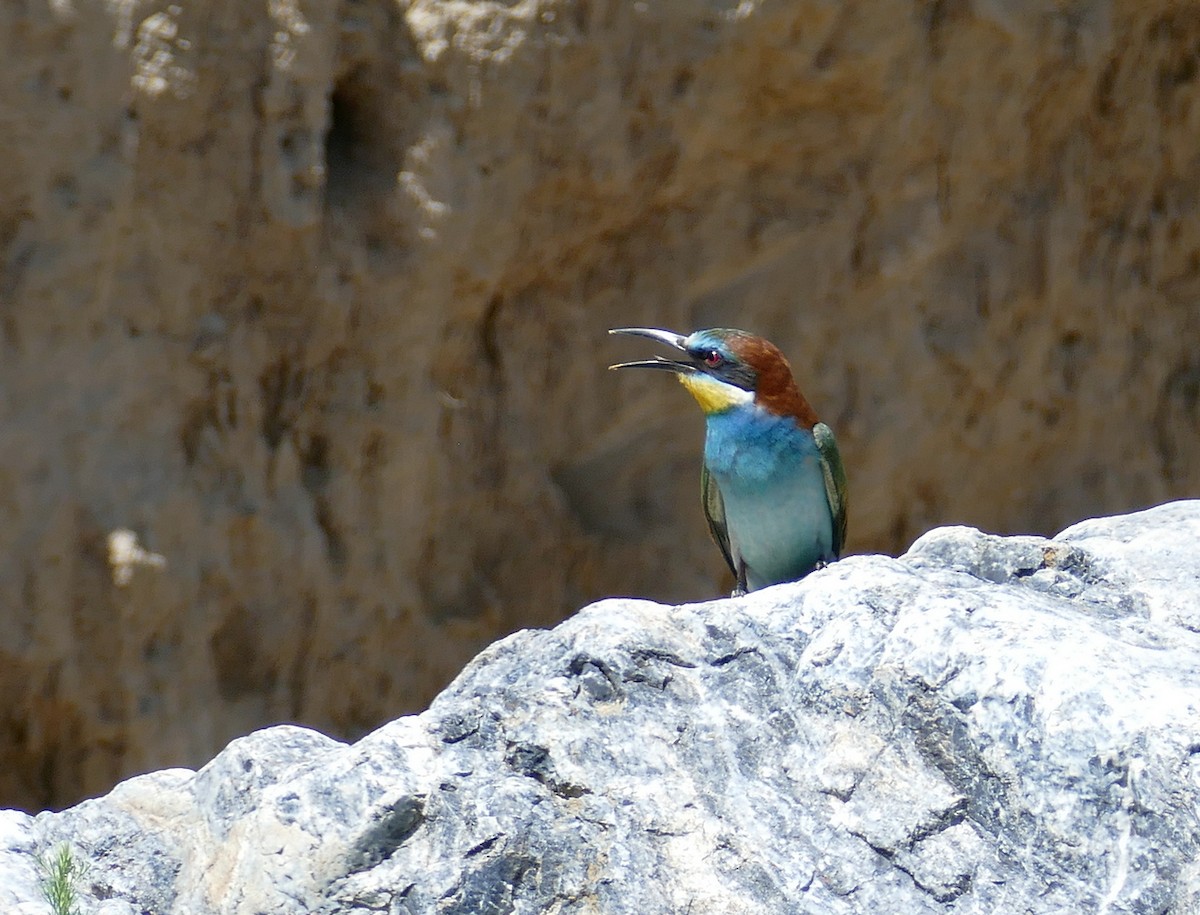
<point x="739" y="589"/>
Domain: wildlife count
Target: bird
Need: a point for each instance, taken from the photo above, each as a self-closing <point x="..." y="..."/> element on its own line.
<point x="772" y="482"/>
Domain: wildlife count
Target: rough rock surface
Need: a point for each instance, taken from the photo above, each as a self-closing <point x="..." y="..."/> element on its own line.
<point x="984" y="725"/>
<point x="309" y="295"/>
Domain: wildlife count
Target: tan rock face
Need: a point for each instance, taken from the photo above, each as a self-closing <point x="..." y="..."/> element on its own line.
<point x="310" y="299"/>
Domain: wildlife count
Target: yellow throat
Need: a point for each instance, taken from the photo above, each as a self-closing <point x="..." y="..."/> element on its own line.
<point x="712" y="395"/>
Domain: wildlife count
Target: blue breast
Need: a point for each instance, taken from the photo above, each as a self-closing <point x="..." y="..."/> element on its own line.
<point x="769" y="472"/>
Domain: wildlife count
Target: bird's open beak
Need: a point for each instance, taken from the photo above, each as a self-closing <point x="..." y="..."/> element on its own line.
<point x="666" y="337"/>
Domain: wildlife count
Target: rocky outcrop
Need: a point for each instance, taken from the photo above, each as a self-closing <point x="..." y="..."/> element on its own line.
<point x="986" y="724"/>
<point x="310" y="295"/>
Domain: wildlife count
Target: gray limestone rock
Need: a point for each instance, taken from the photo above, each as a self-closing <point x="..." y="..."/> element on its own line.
<point x="985" y="725"/>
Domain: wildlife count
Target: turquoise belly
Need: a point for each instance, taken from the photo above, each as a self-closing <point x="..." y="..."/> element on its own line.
<point x="776" y="507"/>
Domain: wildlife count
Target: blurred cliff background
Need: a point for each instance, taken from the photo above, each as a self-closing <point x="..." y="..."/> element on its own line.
<point x="310" y="297"/>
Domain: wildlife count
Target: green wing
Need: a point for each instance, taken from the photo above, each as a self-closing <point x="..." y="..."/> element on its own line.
<point x="835" y="483"/>
<point x="714" y="511"/>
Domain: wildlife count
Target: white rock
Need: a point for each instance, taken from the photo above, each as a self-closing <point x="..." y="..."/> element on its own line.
<point x="985" y="725"/>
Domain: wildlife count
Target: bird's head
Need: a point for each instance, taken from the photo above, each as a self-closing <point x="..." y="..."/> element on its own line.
<point x="725" y="368"/>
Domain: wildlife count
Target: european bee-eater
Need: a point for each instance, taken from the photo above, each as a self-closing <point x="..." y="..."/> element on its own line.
<point x="772" y="482"/>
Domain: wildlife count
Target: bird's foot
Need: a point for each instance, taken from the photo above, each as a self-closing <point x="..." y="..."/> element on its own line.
<point x="739" y="591"/>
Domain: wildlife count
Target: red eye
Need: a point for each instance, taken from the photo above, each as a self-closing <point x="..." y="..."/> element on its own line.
<point x="712" y="359"/>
